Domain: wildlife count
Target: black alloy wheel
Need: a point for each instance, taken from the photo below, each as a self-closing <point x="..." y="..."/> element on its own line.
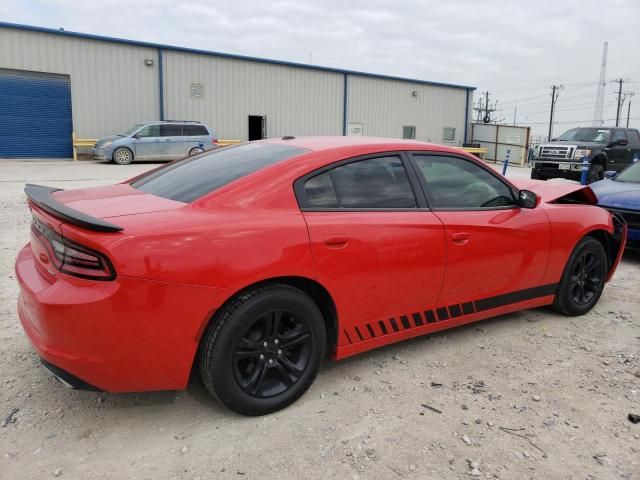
<point x="583" y="278"/>
<point x="263" y="350"/>
<point x="272" y="354"/>
<point x="586" y="279"/>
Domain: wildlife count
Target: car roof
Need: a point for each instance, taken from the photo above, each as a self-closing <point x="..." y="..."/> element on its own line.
<point x="319" y="143"/>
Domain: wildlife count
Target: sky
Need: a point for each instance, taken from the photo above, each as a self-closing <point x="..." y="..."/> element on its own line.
<point x="515" y="50"/>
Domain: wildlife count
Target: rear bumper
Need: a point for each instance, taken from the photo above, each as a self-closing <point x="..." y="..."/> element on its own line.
<point x="67" y="379"/>
<point x="124" y="335"/>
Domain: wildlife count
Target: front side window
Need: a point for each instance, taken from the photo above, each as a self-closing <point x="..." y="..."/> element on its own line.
<point x="149" y="131"/>
<point x="373" y="183"/>
<point x="455" y="183"/>
<point x="618" y="135"/>
<point x="170" y="130"/>
<point x="633" y="137"/>
<point x="191" y="178"/>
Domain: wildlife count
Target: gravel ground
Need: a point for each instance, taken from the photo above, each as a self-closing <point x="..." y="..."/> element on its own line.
<point x="527" y="395"/>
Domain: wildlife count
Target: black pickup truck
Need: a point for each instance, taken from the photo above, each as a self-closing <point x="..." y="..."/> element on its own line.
<point x="607" y="148"/>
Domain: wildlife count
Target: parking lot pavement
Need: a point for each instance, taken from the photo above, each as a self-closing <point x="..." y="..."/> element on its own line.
<point x="527" y="395"/>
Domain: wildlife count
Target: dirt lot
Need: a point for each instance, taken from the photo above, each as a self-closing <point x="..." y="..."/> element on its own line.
<point x="527" y="395"/>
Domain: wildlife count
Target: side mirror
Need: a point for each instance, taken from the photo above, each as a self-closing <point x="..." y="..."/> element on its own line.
<point x="135" y="135"/>
<point x="527" y="199"/>
<point x="610" y="174"/>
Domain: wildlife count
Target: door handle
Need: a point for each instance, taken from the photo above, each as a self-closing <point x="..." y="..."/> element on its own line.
<point x="336" y="241"/>
<point x="460" y="238"/>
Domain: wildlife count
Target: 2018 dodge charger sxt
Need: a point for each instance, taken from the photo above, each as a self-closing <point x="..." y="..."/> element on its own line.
<point x="253" y="263"/>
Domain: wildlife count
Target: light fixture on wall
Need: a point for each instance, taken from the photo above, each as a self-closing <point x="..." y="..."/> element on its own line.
<point x="414" y="93"/>
<point x="148" y="62"/>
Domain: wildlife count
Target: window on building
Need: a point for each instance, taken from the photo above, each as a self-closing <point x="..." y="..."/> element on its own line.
<point x="374" y="183"/>
<point x="409" y="132"/>
<point x="449" y="134"/>
<point x="461" y="184"/>
<point x="197" y="90"/>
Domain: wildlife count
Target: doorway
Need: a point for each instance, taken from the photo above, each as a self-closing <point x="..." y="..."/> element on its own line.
<point x="257" y="127"/>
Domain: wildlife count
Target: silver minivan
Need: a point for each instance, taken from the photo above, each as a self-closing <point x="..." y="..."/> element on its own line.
<point x="159" y="140"/>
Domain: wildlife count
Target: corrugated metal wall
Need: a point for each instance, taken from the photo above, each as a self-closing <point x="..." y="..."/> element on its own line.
<point x="296" y="101"/>
<point x="383" y="107"/>
<point x="111" y="88"/>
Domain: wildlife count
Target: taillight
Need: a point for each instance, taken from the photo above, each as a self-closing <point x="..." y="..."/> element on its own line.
<point x="72" y="258"/>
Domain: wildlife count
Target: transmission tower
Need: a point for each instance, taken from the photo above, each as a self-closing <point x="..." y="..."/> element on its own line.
<point x="597" y="111"/>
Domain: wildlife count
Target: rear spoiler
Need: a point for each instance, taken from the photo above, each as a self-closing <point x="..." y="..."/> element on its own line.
<point x="41" y="196"/>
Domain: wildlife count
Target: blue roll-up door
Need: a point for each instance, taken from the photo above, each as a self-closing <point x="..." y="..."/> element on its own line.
<point x="35" y="115"/>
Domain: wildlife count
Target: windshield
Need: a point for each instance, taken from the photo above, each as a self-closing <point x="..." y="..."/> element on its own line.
<point x="131" y="130"/>
<point x="586" y="135"/>
<point x="630" y="174"/>
<point x="193" y="177"/>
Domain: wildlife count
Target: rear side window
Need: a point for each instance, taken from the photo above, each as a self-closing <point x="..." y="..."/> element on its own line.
<point x="170" y="130"/>
<point x="374" y="183"/>
<point x="196" y="130"/>
<point x="191" y="178"/>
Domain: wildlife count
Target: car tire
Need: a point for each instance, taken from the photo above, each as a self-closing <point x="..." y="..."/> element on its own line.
<point x="122" y="156"/>
<point x="536" y="176"/>
<point x="595" y="173"/>
<point x="583" y="278"/>
<point x="195" y="151"/>
<point x="263" y="350"/>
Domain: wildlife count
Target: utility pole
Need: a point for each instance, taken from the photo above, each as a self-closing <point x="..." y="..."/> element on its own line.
<point x="555" y="91"/>
<point x="597" y="111"/>
<point x="515" y="113"/>
<point x="628" y="112"/>
<point x="486" y="107"/>
<point x="619" y="101"/>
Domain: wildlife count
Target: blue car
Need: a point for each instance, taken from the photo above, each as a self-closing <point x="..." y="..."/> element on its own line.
<point x="160" y="140"/>
<point x="620" y="193"/>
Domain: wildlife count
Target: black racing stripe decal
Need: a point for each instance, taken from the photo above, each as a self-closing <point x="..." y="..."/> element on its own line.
<point x="467" y="308"/>
<point x="348" y="337"/>
<point x="383" y="327"/>
<point x="394" y="325"/>
<point x="370" y="330"/>
<point x="454" y="311"/>
<point x="515" y="297"/>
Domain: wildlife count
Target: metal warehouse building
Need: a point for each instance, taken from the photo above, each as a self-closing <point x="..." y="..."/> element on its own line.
<point x="54" y="83"/>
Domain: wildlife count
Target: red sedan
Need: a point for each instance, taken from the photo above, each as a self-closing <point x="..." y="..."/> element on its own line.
<point x="253" y="263"/>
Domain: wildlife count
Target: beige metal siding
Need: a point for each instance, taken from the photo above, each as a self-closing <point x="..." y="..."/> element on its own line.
<point x="111" y="87"/>
<point x="296" y="101"/>
<point x="383" y="107"/>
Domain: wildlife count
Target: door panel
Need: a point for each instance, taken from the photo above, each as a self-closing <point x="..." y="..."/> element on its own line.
<point x="378" y="266"/>
<point x="493" y="252"/>
<point x="148" y="144"/>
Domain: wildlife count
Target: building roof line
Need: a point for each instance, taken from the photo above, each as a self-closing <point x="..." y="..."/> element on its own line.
<point x="90" y="36"/>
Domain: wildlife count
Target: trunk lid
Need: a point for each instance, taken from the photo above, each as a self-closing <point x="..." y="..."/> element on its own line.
<point x="113" y="201"/>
